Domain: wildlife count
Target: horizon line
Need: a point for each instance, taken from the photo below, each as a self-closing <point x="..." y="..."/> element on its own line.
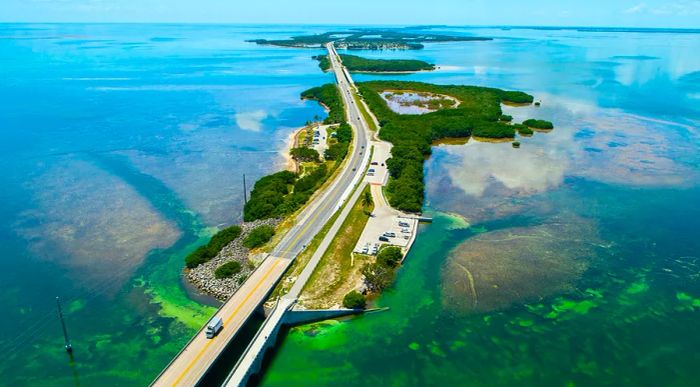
<point x="392" y="25"/>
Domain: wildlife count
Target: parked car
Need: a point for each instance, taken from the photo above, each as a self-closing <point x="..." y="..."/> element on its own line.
<point x="383" y="239"/>
<point x="404" y="224"/>
<point x="405" y="231"/>
<point x="374" y="163"/>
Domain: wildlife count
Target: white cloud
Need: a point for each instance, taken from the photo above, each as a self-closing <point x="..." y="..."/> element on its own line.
<point x="637" y="8"/>
<point x="677" y="8"/>
<point x="252" y="120"/>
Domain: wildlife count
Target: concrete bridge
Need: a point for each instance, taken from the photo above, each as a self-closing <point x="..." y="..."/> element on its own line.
<point x="193" y="362"/>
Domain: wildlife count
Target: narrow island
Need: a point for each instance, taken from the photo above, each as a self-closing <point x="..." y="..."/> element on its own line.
<point x="356" y="64"/>
<point x="368" y="39"/>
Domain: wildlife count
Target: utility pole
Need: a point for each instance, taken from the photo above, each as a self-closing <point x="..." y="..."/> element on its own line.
<point x="245" y="191"/>
<point x="69" y="348"/>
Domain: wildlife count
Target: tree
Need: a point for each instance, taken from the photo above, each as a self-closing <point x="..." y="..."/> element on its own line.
<point x="390" y="256"/>
<point x="305" y="154"/>
<point x="367" y="199"/>
<point x="377" y="276"/>
<point x="354" y="300"/>
<point x="205" y="253"/>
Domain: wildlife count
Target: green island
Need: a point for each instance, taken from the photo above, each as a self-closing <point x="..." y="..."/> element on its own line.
<point x="357" y="64"/>
<point x="368" y="39"/>
<point x="478" y="114"/>
<point x="538" y="124"/>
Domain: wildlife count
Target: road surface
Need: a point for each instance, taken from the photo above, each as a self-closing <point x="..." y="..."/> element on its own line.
<point x="200" y="353"/>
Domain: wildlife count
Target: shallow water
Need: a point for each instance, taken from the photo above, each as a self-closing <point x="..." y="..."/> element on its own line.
<point x="123" y="146"/>
<point x="581" y="245"/>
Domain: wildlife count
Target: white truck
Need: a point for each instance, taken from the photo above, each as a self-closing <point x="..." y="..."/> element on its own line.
<point x="215" y="325"/>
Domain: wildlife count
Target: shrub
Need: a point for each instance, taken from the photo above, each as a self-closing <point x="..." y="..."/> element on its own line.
<point x="217" y="242"/>
<point x="505" y="118"/>
<point x="390" y="256"/>
<point x="259" y="236"/>
<point x="228" y="269"/>
<point x="523" y="130"/>
<point x="223" y="238"/>
<point x="538" y="124"/>
<point x="354" y="300"/>
<point x="198" y="257"/>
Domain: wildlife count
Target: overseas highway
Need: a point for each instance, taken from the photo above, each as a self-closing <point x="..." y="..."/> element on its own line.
<point x="192" y="363"/>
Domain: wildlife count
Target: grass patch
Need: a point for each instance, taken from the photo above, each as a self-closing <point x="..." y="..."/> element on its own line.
<point x="338" y="272"/>
<point x="365" y="114"/>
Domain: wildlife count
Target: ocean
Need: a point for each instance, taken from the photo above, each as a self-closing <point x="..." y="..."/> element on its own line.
<point x="570" y="261"/>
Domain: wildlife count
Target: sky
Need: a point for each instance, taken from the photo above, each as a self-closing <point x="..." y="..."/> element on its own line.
<point x="608" y="13"/>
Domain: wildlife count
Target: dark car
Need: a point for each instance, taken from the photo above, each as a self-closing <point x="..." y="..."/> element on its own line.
<point x="383" y="239"/>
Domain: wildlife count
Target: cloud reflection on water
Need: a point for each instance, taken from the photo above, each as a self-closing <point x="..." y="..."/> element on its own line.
<point x="603" y="145"/>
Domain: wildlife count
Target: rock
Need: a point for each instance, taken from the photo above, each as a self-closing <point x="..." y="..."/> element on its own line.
<point x="203" y="278"/>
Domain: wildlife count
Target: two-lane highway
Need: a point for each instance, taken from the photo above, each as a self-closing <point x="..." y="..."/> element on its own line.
<point x="190" y="365"/>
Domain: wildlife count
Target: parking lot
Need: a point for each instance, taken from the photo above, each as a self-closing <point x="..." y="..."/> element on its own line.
<point x="386" y="226"/>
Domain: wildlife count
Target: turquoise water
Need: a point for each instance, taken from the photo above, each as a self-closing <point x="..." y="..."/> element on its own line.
<point x="123" y="146"/>
<point x="570" y="261"/>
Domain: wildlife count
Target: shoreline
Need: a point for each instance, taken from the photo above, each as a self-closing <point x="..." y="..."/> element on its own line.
<point x="291" y="142"/>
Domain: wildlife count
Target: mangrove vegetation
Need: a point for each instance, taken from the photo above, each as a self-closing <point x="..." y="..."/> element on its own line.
<point x="478" y="114"/>
<point x="358" y="64"/>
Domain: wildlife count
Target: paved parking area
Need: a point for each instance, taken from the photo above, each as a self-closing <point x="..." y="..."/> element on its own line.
<point x="386" y="220"/>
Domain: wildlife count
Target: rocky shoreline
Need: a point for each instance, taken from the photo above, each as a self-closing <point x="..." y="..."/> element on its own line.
<point x="203" y="278"/>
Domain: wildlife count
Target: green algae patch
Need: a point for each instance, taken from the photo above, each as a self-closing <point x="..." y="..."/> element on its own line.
<point x="524" y="322"/>
<point x="414" y="346"/>
<point x="580" y="307"/>
<point x="75" y="306"/>
<point x="435" y="349"/>
<point x="594" y="292"/>
<point x="687" y="301"/>
<point x="638" y="287"/>
<point x="567" y="306"/>
<point x="457" y="344"/>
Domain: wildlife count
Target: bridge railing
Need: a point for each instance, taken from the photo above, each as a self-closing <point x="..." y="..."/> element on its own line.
<point x="218" y="310"/>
